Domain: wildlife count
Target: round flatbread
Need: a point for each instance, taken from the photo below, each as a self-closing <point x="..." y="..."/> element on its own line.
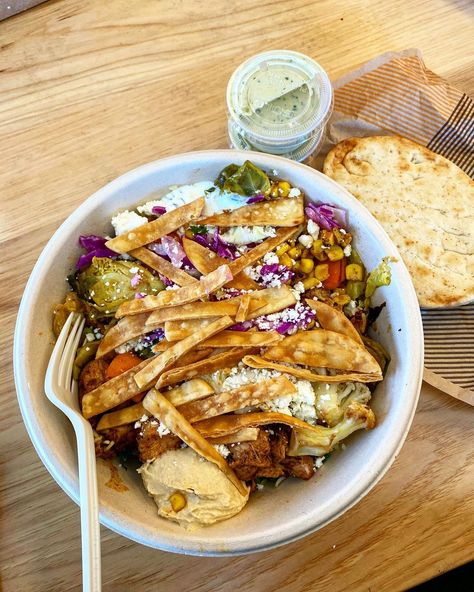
<point x="424" y="202"/>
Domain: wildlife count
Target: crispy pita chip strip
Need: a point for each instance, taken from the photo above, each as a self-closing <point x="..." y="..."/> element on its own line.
<point x="126" y="329"/>
<point x="205" y="261"/>
<point x="161" y="265"/>
<point x="206" y="285"/>
<point x="121" y="417"/>
<point x="332" y="319"/>
<point x="192" y="390"/>
<point x="277" y="212"/>
<point x="238" y="398"/>
<point x="242" y="339"/>
<point x="222" y="425"/>
<point x="282" y="234"/>
<point x="243" y="435"/>
<point x="243" y="309"/>
<point x="113" y="392"/>
<point x="206" y="366"/>
<point x="176" y="330"/>
<point x="152" y="231"/>
<point x="162" y="362"/>
<point x="156" y="404"/>
<point x="323" y="349"/>
<point x="258" y="362"/>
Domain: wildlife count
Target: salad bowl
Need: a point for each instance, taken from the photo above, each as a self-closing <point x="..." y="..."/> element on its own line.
<point x="274" y="517"/>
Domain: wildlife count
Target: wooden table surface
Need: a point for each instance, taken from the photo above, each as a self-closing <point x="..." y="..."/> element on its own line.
<point x="90" y="89"/>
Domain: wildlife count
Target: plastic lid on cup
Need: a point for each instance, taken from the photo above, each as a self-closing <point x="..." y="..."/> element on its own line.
<point x="279" y="96"/>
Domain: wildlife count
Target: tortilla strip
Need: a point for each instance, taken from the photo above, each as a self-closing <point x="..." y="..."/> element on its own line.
<point x="242" y="339"/>
<point x="276" y="212"/>
<point x="126" y="329"/>
<point x="152" y="231"/>
<point x="162" y="362"/>
<point x="206" y="285"/>
<point x="121" y="417"/>
<point x="323" y="349"/>
<point x="193" y="356"/>
<point x="282" y="234"/>
<point x="273" y="299"/>
<point x="113" y="392"/>
<point x="192" y="390"/>
<point x="176" y="330"/>
<point x="222" y="360"/>
<point x="205" y="261"/>
<point x="166" y="413"/>
<point x="243" y="435"/>
<point x="238" y="398"/>
<point x="243" y="309"/>
<point x="332" y="319"/>
<point x="303" y="373"/>
<point x="161" y="265"/>
<point x="222" y="425"/>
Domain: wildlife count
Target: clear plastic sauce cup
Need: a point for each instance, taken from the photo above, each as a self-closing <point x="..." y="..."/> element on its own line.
<point x="279" y="102"/>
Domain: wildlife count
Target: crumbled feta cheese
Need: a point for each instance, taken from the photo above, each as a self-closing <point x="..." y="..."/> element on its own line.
<point x="90" y="337"/>
<point x="259" y="486"/>
<point x="127" y="221"/>
<point x="306" y="240"/>
<point x="270" y="258"/>
<point x="163" y="430"/>
<point x="313" y="229"/>
<point x="301" y="405"/>
<point x="294" y="192"/>
<point x="133" y="270"/>
<point x="347" y="250"/>
<point x="179" y="196"/>
<point x="299" y="287"/>
<point x="243" y="235"/>
<point x="243" y="375"/>
<point x="318" y="462"/>
<point x="350" y="308"/>
<point x="222" y="450"/>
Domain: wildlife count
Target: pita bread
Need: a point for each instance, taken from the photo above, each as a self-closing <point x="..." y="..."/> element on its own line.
<point x="424" y="202"/>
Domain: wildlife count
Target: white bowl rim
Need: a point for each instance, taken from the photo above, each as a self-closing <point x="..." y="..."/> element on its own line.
<point x="387" y="457"/>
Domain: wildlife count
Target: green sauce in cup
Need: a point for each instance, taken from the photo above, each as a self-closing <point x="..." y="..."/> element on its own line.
<point x="279" y="102"/>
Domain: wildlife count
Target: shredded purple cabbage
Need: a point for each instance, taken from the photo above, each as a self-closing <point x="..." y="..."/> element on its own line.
<point x="158" y="249"/>
<point x="158" y="210"/>
<point x="244" y="326"/>
<point x="95" y="247"/>
<point x="256" y="198"/>
<point x="286" y="327"/>
<point x="139" y="295"/>
<point x="165" y="280"/>
<point x="217" y="244"/>
<point x="156" y="335"/>
<point x="326" y="216"/>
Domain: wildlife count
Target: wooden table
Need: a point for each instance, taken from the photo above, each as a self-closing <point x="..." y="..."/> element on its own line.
<point x="90" y="89"/>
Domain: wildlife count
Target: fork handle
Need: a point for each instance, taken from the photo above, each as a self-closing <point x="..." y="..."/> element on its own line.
<point x="90" y="526"/>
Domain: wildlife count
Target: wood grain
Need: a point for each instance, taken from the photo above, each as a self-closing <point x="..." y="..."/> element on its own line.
<point x="91" y="89"/>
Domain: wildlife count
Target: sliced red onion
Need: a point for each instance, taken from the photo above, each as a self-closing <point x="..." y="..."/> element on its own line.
<point x="326" y="216"/>
<point x="157" y="248"/>
<point x="158" y="210"/>
<point x="174" y="250"/>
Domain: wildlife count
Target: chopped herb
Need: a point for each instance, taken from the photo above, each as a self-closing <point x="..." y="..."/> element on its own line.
<point x="198" y="229"/>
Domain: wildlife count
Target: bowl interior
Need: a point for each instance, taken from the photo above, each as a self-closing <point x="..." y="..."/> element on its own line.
<point x="272" y="517"/>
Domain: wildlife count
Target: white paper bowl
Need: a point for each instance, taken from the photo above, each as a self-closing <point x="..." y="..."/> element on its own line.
<point x="273" y="517"/>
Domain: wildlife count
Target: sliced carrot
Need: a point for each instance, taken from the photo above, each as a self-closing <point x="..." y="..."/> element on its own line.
<point x="336" y="271"/>
<point x="121" y="363"/>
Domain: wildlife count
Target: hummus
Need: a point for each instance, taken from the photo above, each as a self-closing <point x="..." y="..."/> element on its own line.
<point x="209" y="495"/>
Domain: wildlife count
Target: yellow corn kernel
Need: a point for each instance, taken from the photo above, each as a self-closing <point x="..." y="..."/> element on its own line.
<point x="311" y="324"/>
<point x="188" y="233"/>
<point x="274" y="190"/>
<point x="341" y="299"/>
<point x="317" y="247"/>
<point x="284" y="188"/>
<point x="285" y="259"/>
<point x="297" y="267"/>
<point x="335" y="253"/>
<point x="295" y="252"/>
<point x="309" y="283"/>
<point x="306" y="265"/>
<point x="327" y="236"/>
<point x="354" y="272"/>
<point x="321" y="256"/>
<point x="282" y="249"/>
<point x="342" y="238"/>
<point x="321" y="272"/>
<point x="177" y="501"/>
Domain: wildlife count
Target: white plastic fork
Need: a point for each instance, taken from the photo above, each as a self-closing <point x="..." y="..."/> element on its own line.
<point x="61" y="390"/>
